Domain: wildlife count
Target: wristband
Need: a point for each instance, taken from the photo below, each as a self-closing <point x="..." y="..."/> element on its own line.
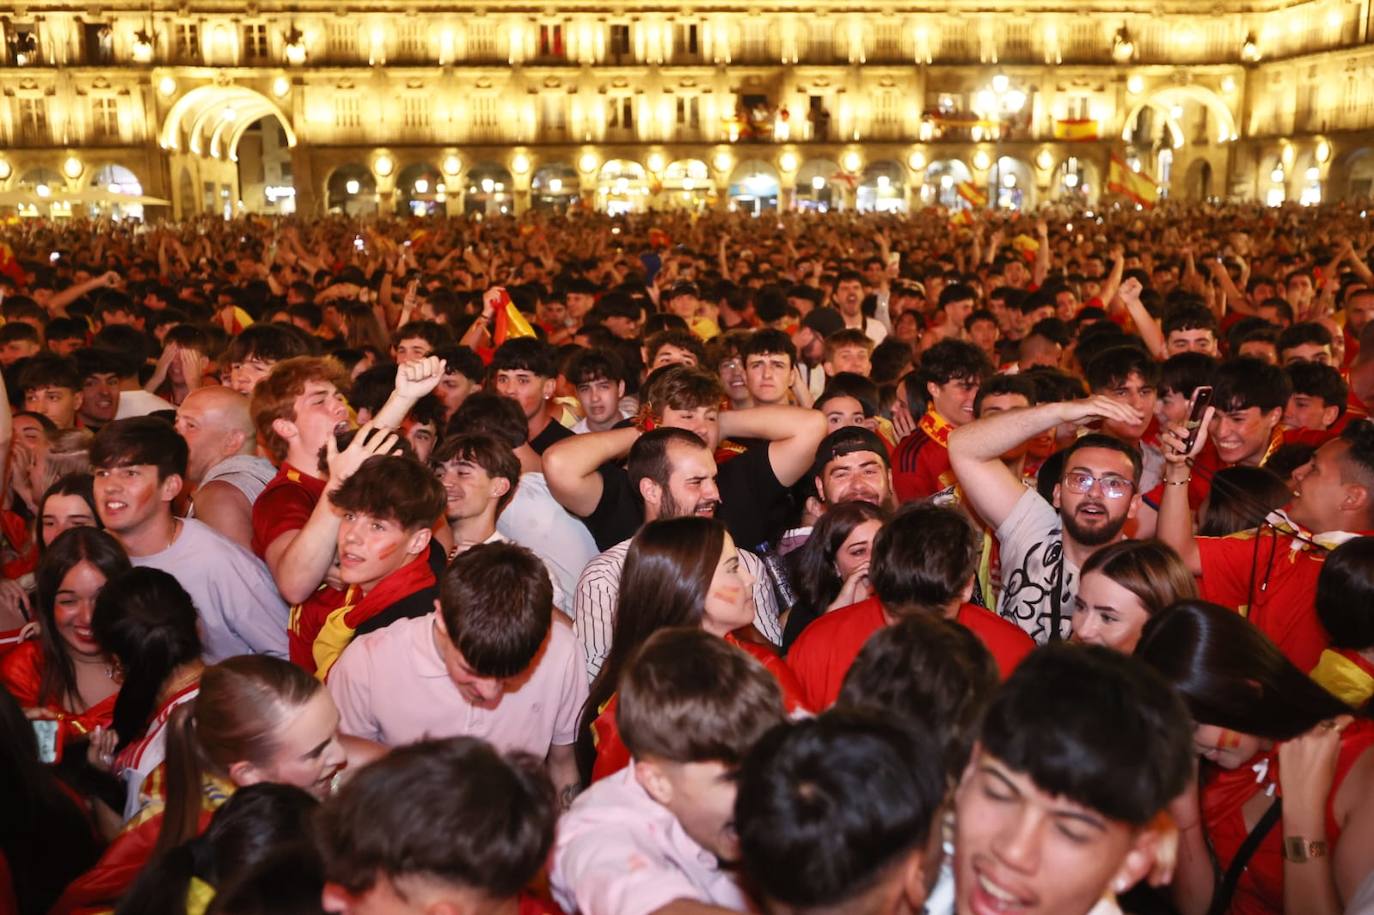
<point x="1178" y="482"/>
<point x="1297" y="849"/>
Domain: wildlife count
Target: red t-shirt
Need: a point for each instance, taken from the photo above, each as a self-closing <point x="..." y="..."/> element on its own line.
<point x="1268" y="581"/>
<point x="826" y="649"/>
<point x="920" y="465"/>
<point x="284" y="505"/>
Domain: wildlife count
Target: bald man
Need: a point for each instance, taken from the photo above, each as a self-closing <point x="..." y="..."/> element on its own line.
<point x="224" y="473"/>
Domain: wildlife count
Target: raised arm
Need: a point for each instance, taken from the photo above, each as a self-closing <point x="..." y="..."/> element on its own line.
<point x="975" y="450"/>
<point x="1112" y="284"/>
<point x="570" y="466"/>
<point x="299" y="560"/>
<point x="413" y="381"/>
<point x="1042" y="254"/>
<point x="792" y="433"/>
<point x="1145" y="324"/>
<point x="59" y="301"/>
<point x="1175" y="524"/>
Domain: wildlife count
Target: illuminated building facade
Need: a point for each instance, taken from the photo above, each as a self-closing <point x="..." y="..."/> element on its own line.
<point x="397" y="107"/>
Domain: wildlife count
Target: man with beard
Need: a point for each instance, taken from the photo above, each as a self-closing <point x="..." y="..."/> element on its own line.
<point x="1043" y="545"/>
<point x="675" y="474"/>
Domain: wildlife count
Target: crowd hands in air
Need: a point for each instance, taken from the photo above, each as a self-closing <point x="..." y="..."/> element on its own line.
<point x="686" y="563"/>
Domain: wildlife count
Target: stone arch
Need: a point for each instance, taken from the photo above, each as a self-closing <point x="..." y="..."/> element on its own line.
<point x="1167" y="99"/>
<point x="209" y="120"/>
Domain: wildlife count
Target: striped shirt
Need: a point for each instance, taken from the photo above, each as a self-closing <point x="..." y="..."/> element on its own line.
<point x="598" y="591"/>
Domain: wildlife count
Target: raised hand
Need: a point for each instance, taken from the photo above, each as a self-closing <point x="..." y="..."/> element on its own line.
<point x="343" y="464"/>
<point x="418" y="378"/>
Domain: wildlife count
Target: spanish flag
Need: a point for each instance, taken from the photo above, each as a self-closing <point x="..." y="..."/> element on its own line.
<point x="972" y="194"/>
<point x="509" y="322"/>
<point x="1135" y="186"/>
<point x="1078" y="129"/>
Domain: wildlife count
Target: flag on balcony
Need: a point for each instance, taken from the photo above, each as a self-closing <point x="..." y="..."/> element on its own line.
<point x="1077" y="129"/>
<point x="1138" y="187"/>
<point x="509" y="322"/>
<point x="10" y="267"/>
<point x="972" y="194"/>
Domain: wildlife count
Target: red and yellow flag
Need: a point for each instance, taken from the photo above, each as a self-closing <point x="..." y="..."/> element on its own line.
<point x="1077" y="129"/>
<point x="508" y="322"/>
<point x="972" y="194"/>
<point x="1135" y="186"/>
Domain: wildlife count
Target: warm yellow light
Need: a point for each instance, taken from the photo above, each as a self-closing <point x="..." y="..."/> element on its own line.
<point x="788" y="161"/>
<point x="452" y="165"/>
<point x="520" y="164"/>
<point x="722" y="161"/>
<point x="167" y="86"/>
<point x="280" y="86"/>
<point x="1135" y="85"/>
<point x="588" y="162"/>
<point x="852" y="161"/>
<point x="383" y="165"/>
<point x="1045" y="159"/>
<point x="916" y="161"/>
<point x="72" y="167"/>
<point x="1323" y="151"/>
<point x="5" y="170"/>
<point x="655" y="162"/>
<point x="1228" y="84"/>
<point x="981" y="160"/>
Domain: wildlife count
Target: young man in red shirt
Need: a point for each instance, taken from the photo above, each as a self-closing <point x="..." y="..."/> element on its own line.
<point x="950" y="374"/>
<point x="924" y="561"/>
<point x="388" y="507"/>
<point x="1269" y="574"/>
<point x="297" y="410"/>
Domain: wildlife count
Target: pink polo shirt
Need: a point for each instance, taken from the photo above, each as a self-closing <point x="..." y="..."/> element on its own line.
<point x="391" y="686"/>
<point x="620" y="852"/>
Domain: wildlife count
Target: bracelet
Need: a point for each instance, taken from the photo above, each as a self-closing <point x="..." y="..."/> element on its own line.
<point x="1298" y="849"/>
<point x="1178" y="482"/>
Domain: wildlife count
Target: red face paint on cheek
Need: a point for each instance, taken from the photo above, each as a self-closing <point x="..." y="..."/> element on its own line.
<point x="388" y="551"/>
<point x="727" y="594"/>
<point x="1228" y="739"/>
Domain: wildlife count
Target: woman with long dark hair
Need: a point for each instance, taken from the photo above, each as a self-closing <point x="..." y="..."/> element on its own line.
<point x="830" y="570"/>
<point x="146" y="621"/>
<point x="678" y="572"/>
<point x="1264" y="730"/>
<point x="255" y="719"/>
<point x="65" y="675"/>
<point x="1121" y="586"/>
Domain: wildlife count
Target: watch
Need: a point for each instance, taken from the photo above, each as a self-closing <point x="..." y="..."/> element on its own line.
<point x="1298" y="849"/>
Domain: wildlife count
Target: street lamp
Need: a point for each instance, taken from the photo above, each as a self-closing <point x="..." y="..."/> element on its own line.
<point x="999" y="101"/>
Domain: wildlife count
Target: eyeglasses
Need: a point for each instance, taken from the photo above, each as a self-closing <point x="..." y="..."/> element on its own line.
<point x="1080" y="481"/>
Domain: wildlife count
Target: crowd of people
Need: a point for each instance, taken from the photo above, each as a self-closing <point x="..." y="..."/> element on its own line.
<point x="688" y="563"/>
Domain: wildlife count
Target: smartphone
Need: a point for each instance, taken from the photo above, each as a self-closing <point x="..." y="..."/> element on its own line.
<point x="46" y="732"/>
<point x="54" y="257"/>
<point x="358" y="242"/>
<point x="894" y="259"/>
<point x="1197" y="408"/>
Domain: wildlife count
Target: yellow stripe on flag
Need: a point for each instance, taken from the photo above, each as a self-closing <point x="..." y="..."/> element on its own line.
<point x="516" y="325"/>
<point x="1136" y="186"/>
<point x="975" y="196"/>
<point x="1078" y="129"/>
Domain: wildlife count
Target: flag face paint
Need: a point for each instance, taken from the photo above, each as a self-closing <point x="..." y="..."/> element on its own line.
<point x="1228" y="739"/>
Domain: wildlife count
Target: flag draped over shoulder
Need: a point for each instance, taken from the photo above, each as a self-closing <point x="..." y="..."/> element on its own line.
<point x="1137" y="186"/>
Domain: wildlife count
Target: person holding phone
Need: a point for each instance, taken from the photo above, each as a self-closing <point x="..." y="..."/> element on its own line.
<point x="64" y="679"/>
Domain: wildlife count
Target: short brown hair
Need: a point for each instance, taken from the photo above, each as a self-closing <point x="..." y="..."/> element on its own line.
<point x="688" y="696"/>
<point x="682" y="387"/>
<point x="924" y="558"/>
<point x="456" y="811"/>
<point x="275" y="396"/>
<point x="850" y="336"/>
<point x="497" y="604"/>
<point x="494" y="456"/>
<point x="392" y="488"/>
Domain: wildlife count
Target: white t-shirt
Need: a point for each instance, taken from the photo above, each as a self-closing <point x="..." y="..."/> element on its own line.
<point x="140" y="403"/>
<point x="536" y="521"/>
<point x="237" y="601"/>
<point x="1032" y="542"/>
